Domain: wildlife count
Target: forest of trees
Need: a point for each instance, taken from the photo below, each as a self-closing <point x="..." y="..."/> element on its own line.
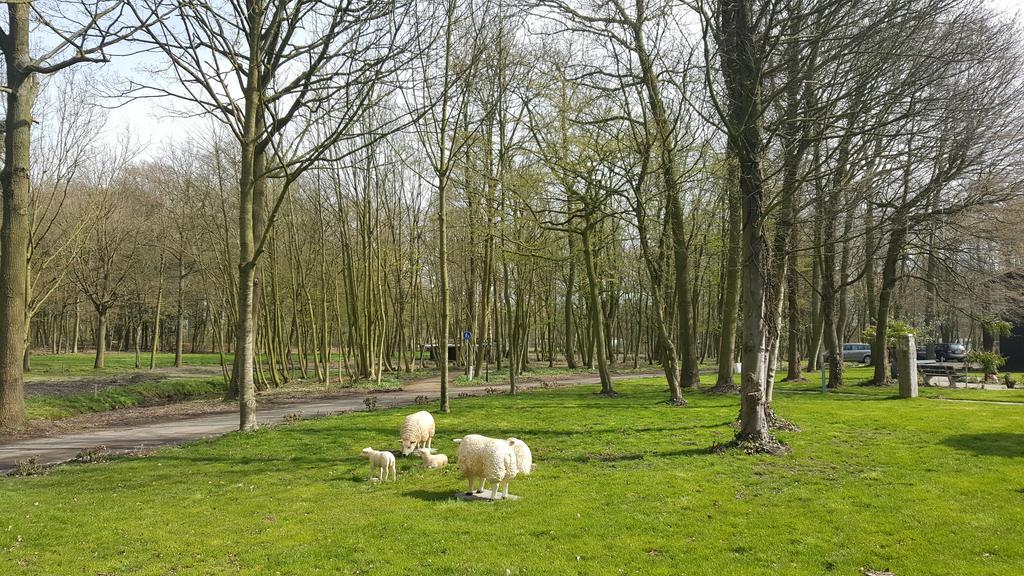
<point x="583" y="183"/>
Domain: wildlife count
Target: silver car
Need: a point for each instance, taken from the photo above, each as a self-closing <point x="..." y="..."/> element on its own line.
<point x="857" y="352"/>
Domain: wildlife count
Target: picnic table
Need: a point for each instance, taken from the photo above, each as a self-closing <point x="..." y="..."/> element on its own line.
<point x="932" y="371"/>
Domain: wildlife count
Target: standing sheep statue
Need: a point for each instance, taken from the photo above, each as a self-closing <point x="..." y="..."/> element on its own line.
<point x="524" y="461"/>
<point x="482" y="459"/>
<point x="382" y="463"/>
<point x="417" y="432"/>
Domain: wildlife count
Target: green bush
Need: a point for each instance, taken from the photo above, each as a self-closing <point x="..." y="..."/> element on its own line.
<point x="990" y="362"/>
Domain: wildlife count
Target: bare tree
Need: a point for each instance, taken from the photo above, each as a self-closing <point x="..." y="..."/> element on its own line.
<point x="289" y="78"/>
<point x="76" y="31"/>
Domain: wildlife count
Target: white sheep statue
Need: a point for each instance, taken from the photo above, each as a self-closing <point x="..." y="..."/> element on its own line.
<point x="482" y="459"/>
<point x="382" y="463"/>
<point x="417" y="432"/>
<point x="431" y="460"/>
<point x="524" y="460"/>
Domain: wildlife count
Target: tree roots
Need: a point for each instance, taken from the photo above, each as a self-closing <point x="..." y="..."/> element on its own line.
<point x="753" y="444"/>
<point x="777" y="423"/>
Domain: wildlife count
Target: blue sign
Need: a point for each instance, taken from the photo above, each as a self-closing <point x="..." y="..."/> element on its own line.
<point x="466" y="335"/>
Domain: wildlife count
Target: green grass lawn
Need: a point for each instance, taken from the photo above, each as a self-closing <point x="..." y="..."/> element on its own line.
<point x="81" y="364"/>
<point x="113" y="398"/>
<point x="539" y="370"/>
<point x="854" y="376"/>
<point x="622" y="486"/>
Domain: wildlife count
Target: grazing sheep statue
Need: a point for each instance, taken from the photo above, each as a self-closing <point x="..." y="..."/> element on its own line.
<point x="482" y="459"/>
<point x="417" y="432"/>
<point x="381" y="463"/>
<point x="431" y="460"/>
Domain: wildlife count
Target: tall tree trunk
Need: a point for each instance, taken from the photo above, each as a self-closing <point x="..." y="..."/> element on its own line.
<point x="442" y="256"/>
<point x="179" y="342"/>
<point x="101" y="336"/>
<point x="78" y="326"/>
<point x="245" y="322"/>
<point x="880" y="348"/>
<point x="596" y="315"/>
<point x="156" y="314"/>
<point x="570" y="327"/>
<point x="689" y="373"/>
<point x="138" y="347"/>
<point x="814" y="335"/>
<point x="731" y="295"/>
<point x="793" y="373"/>
<point x="742" y="80"/>
<point x="869" y="257"/>
<point x="21" y="89"/>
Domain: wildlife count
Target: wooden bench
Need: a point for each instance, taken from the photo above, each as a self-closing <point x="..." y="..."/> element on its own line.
<point x="932" y="372"/>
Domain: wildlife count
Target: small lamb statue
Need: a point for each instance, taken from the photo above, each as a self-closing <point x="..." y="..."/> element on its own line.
<point x="431" y="460"/>
<point x="382" y="463"/>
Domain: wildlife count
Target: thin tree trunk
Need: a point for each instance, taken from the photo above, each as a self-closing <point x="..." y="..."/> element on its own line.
<point x="78" y="326"/>
<point x="179" y="343"/>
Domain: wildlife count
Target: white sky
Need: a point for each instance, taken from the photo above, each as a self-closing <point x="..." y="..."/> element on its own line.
<point x="155" y="128"/>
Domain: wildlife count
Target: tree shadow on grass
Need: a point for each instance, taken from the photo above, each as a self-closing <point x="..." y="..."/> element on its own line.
<point x="431" y="495"/>
<point x="247" y="465"/>
<point x="1006" y="444"/>
<point x="629" y="457"/>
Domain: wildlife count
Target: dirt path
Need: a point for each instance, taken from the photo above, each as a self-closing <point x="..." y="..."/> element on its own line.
<point x="140" y="436"/>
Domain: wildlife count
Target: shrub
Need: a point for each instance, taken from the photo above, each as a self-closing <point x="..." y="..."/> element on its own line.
<point x="28" y="467"/>
<point x="990" y="362"/>
<point x="94" y="454"/>
<point x="371" y="403"/>
<point x="1009" y="381"/>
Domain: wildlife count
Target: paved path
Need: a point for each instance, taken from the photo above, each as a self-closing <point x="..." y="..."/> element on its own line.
<point x="128" y="438"/>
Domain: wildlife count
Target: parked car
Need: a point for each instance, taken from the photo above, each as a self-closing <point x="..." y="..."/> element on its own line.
<point x="950" y="352"/>
<point x="922" y="352"/>
<point x="855" y="352"/>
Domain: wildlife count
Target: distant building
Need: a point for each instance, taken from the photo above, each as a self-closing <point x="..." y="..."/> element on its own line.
<point x="1012" y="346"/>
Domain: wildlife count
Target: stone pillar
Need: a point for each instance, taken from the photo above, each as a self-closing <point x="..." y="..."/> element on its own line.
<point x="906" y="357"/>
